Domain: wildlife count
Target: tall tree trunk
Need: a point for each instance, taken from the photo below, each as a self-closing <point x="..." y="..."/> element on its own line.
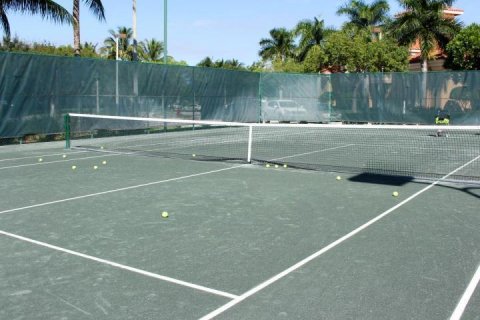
<point x="76" y="27"/>
<point x="424" y="65"/>
<point x="134" y="9"/>
<point x="424" y="82"/>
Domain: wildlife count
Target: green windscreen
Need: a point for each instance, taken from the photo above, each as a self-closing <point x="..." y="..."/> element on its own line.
<point x="36" y="91"/>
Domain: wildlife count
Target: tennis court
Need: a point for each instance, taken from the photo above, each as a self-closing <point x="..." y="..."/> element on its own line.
<point x="242" y="241"/>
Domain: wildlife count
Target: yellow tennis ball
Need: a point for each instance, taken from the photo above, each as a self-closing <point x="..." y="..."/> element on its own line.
<point x="276" y="166"/>
<point x="104" y="162"/>
<point x="165" y="214"/>
<point x="64" y="156"/>
<point x="395" y="194"/>
<point x="101" y="147"/>
<point x="40" y="159"/>
<point x="74" y="167"/>
<point x="267" y="165"/>
<point x="95" y="167"/>
<point x="194" y="155"/>
<point x="339" y="178"/>
<point x="285" y="166"/>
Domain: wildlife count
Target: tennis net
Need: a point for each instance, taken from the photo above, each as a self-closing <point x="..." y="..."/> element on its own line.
<point x="429" y="152"/>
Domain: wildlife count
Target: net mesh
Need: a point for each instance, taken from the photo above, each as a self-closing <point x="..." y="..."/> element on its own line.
<point x="429" y="152"/>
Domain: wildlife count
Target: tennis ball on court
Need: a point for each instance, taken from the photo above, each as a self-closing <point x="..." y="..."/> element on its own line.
<point x="40" y="159"/>
<point x="194" y="155"/>
<point x="64" y="156"/>
<point x="164" y="214"/>
<point x="74" y="167"/>
<point x="276" y="166"/>
<point x="104" y="162"/>
<point x="339" y="178"/>
<point x="285" y="166"/>
<point x="95" y="167"/>
<point x="101" y="147"/>
<point x="395" y="194"/>
<point x="267" y="165"/>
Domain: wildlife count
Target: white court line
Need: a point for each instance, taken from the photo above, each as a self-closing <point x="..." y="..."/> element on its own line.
<point x="41" y="155"/>
<point x="332" y="245"/>
<point x="126" y="188"/>
<point x="311" y="152"/>
<point x="462" y="304"/>
<point x="120" y="189"/>
<point x="56" y="161"/>
<point x="122" y="266"/>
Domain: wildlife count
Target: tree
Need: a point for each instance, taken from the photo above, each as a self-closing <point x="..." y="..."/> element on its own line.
<point x="46" y="8"/>
<point x="279" y="47"/>
<point x="125" y="51"/>
<point x="232" y="64"/>
<point x="357" y="53"/>
<point x="423" y="20"/>
<point x="386" y="56"/>
<point x="364" y="16"/>
<point x="150" y="50"/>
<point x="96" y="7"/>
<point x="315" y="60"/>
<point x="464" y="50"/>
<point x="206" y="62"/>
<point x="312" y="33"/>
<point x="15" y="45"/>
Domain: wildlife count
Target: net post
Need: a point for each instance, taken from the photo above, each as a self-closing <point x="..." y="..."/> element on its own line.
<point x="250" y="138"/>
<point x="66" y="122"/>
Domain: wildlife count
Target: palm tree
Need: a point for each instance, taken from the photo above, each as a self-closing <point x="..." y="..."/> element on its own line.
<point x="151" y="50"/>
<point x="364" y="16"/>
<point x="233" y="64"/>
<point x="125" y="51"/>
<point x="46" y="8"/>
<point x="423" y="20"/>
<point x="311" y="32"/>
<point x="15" y="44"/>
<point x="279" y="47"/>
<point x="206" y="62"/>
<point x="96" y="7"/>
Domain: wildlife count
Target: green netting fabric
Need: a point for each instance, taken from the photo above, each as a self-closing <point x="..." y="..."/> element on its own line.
<point x="36" y="91"/>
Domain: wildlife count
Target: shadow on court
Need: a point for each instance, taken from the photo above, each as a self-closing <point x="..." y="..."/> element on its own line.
<point x="391" y="180"/>
<point x="382" y="179"/>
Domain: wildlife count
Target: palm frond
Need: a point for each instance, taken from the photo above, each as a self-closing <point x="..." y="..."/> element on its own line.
<point x="96" y="7"/>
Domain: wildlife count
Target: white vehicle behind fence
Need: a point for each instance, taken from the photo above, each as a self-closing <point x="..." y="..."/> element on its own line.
<point x="283" y="110"/>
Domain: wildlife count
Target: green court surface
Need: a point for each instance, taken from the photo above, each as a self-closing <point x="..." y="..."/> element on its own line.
<point x="241" y="241"/>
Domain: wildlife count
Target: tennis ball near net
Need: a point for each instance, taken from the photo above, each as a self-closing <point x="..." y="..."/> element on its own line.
<point x="104" y="162"/>
<point x="95" y="167"/>
<point x="164" y="214"/>
<point x="267" y="165"/>
<point x="74" y="167"/>
<point x="64" y="156"/>
<point x="339" y="178"/>
<point x="395" y="194"/>
<point x="40" y="159"/>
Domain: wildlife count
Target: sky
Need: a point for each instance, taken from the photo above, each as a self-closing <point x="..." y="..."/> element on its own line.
<point x="220" y="29"/>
